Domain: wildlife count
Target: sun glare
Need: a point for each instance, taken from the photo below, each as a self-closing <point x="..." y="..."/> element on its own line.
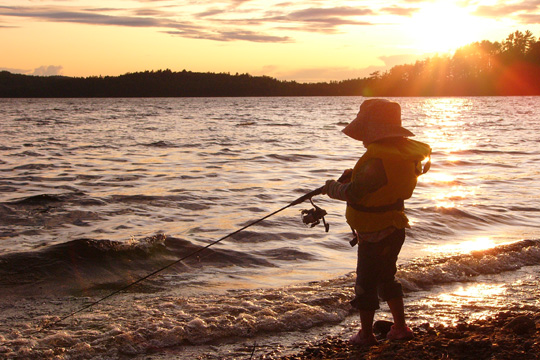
<point x="443" y="27"/>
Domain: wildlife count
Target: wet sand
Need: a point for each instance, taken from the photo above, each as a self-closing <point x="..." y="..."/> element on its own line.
<point x="505" y="336"/>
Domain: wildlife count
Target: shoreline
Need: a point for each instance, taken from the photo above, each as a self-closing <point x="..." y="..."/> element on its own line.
<point x="512" y="333"/>
<point x="506" y="335"/>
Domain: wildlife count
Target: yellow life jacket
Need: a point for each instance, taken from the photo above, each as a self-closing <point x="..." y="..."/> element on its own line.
<point x="402" y="160"/>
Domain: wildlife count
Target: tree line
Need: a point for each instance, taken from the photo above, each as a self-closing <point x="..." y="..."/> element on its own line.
<point x="509" y="67"/>
<point x="164" y="83"/>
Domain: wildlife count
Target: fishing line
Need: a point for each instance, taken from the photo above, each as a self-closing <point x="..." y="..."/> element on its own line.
<point x="253" y="351"/>
<point x="296" y="202"/>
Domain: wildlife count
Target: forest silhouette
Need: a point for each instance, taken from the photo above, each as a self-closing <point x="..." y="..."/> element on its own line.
<point x="485" y="68"/>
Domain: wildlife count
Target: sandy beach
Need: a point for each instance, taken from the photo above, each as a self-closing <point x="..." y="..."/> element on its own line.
<point x="507" y="335"/>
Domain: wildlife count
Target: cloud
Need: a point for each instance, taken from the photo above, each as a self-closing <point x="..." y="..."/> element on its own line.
<point x="186" y="29"/>
<point x="400" y="59"/>
<point x="211" y="12"/>
<point x="505" y="10"/>
<point x="311" y="14"/>
<point x="230" y="35"/>
<point x="239" y="2"/>
<point x="47" y="70"/>
<point x="322" y="20"/>
<point x="80" y="16"/>
<point x="389" y="62"/>
<point x="228" y="20"/>
<point x="312" y="74"/>
<point x="323" y="74"/>
<point x="15" y="71"/>
<point x="529" y="18"/>
<point x="220" y="24"/>
<point x="252" y="36"/>
<point x="325" y="18"/>
<point x="400" y="11"/>
<point x="148" y="12"/>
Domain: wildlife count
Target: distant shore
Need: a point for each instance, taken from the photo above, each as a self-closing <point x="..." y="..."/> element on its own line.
<point x="507" y="335"/>
<point x="519" y="80"/>
<point x="166" y="83"/>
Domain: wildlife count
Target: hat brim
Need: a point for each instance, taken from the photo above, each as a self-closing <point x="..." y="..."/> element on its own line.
<point x="358" y="131"/>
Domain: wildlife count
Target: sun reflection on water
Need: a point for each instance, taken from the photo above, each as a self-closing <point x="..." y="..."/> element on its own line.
<point x="477" y="299"/>
<point x="451" y="198"/>
<point x="480" y="292"/>
<point x="442" y="123"/>
<point x="442" y="127"/>
<point x="448" y="304"/>
<point x="465" y="247"/>
<point x="468" y="296"/>
<point x="438" y="177"/>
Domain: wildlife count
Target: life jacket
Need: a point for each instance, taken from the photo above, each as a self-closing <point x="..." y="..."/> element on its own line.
<point x="402" y="160"/>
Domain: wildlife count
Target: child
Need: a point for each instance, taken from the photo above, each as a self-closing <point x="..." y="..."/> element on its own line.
<point x="374" y="190"/>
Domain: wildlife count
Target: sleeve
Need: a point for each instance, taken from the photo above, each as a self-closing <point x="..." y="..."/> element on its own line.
<point x="369" y="177"/>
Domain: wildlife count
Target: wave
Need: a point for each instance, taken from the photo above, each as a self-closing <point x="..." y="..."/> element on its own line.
<point x="81" y="198"/>
<point x="41" y="199"/>
<point x="91" y="147"/>
<point x="88" y="263"/>
<point x="291" y="157"/>
<point x="426" y="272"/>
<point x="301" y="307"/>
<point x="287" y="253"/>
<point x="490" y="152"/>
<point x="161" y="144"/>
<point x="35" y="166"/>
<point x="47" y="200"/>
<point x="246" y="123"/>
<point x="280" y="124"/>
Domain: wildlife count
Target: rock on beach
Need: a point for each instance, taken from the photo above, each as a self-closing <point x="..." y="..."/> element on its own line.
<point x="505" y="336"/>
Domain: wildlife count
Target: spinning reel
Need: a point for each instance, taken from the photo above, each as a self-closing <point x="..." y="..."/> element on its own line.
<point x="314" y="216"/>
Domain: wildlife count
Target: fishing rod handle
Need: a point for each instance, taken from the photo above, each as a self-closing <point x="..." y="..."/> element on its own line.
<point x="307" y="196"/>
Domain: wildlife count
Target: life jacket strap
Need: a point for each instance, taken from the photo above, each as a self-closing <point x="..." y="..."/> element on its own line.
<point x="398" y="205"/>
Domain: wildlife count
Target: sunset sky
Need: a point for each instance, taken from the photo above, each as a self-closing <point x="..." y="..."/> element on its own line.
<point x="302" y="40"/>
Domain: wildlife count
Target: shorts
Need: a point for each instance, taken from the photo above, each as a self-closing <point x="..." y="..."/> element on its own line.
<point x="376" y="270"/>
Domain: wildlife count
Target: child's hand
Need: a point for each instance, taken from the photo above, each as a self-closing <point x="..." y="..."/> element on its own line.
<point x="346" y="176"/>
<point x="324" y="189"/>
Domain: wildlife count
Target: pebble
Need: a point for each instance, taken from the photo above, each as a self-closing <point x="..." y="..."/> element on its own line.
<point x="521" y="325"/>
<point x="500" y="337"/>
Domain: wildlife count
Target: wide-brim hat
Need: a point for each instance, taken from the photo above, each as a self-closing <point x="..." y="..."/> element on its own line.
<point x="377" y="119"/>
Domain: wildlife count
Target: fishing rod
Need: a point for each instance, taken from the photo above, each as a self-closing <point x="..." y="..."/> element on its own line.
<point x="309" y="217"/>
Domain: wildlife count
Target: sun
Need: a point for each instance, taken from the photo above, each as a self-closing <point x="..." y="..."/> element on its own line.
<point x="443" y="26"/>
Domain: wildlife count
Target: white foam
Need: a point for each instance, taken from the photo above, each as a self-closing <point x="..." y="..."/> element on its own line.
<point x="136" y="324"/>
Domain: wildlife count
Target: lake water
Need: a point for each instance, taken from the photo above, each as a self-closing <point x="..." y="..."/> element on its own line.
<point x="97" y="193"/>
